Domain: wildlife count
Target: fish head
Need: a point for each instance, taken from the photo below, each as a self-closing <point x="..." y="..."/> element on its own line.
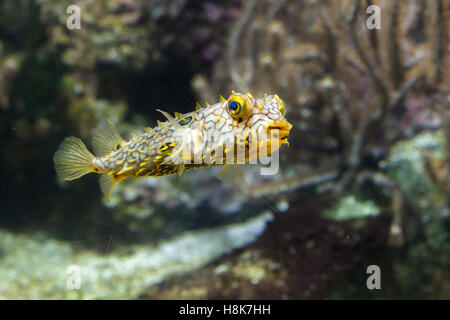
<point x="254" y="124"/>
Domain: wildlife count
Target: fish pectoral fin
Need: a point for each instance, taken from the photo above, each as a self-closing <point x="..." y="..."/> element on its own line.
<point x="108" y="183"/>
<point x="107" y="139"/>
<point x="230" y="173"/>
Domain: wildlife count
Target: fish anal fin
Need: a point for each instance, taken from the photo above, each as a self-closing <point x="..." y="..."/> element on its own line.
<point x="107" y="139"/>
<point x="230" y="173"/>
<point x="107" y="184"/>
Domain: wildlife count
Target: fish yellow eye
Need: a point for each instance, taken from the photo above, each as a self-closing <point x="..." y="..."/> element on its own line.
<point x="239" y="106"/>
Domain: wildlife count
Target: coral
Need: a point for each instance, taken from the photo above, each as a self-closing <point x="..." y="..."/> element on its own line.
<point x="346" y="86"/>
<point x="418" y="270"/>
<point x="299" y="256"/>
<point x="303" y="256"/>
<point x="368" y="166"/>
<point x="112" y="27"/>
<point x="59" y="82"/>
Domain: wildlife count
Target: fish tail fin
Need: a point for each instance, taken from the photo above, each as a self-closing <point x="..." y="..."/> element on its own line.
<point x="107" y="184"/>
<point x="72" y="159"/>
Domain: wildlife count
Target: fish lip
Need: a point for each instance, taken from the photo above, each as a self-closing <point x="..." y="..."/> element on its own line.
<point x="283" y="127"/>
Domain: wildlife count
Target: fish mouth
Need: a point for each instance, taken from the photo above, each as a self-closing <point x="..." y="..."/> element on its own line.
<point x="283" y="128"/>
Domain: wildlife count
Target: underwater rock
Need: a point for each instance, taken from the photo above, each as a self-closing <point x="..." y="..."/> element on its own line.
<point x="406" y="165"/>
<point x="300" y="255"/>
<point x="350" y="207"/>
<point x="36" y="267"/>
<point x="418" y="270"/>
<point x="113" y="28"/>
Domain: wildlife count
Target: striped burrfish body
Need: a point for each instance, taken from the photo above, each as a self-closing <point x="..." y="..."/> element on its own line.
<point x="202" y="138"/>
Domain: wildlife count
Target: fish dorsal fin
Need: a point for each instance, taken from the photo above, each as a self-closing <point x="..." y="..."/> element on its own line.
<point x="162" y="125"/>
<point x="198" y="106"/>
<point x="135" y="133"/>
<point x="107" y="139"/>
<point x="230" y="173"/>
<point x="150" y="130"/>
<point x="107" y="184"/>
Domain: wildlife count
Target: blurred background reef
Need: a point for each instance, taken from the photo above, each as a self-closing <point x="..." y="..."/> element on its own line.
<point x="365" y="180"/>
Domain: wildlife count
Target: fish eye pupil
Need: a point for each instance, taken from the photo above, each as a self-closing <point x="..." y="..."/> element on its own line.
<point x="234" y="105"/>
